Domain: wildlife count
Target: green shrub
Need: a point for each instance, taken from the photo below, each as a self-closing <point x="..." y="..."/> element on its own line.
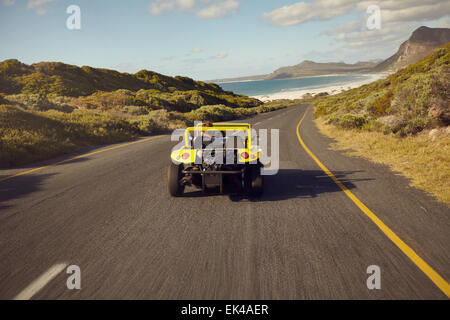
<point x="379" y="103"/>
<point x="27" y="136"/>
<point x="417" y="94"/>
<point x="135" y="110"/>
<point x="68" y="80"/>
<point x="350" y="121"/>
<point x="159" y="121"/>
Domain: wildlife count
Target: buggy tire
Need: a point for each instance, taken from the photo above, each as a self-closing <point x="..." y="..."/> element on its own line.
<point x="174" y="176"/>
<point x="248" y="180"/>
<point x="257" y="183"/>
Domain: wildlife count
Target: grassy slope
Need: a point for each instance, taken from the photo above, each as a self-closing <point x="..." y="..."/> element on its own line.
<point x="401" y="121"/>
<point x="68" y="80"/>
<point x="54" y="85"/>
<point x="48" y="108"/>
<point x="28" y="136"/>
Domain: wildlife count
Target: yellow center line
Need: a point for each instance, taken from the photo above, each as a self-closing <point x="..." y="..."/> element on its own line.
<point x="76" y="157"/>
<point x="415" y="258"/>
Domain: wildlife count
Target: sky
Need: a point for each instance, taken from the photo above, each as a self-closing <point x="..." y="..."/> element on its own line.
<point x="210" y="39"/>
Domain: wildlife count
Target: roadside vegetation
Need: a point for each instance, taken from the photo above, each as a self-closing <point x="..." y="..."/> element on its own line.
<point x="27" y="136"/>
<point x="401" y="121"/>
<point x="49" y="109"/>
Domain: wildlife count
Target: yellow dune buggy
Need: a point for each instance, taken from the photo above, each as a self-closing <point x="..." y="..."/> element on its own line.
<point x="220" y="156"/>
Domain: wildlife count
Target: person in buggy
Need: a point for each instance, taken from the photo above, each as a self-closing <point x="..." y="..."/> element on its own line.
<point x="204" y="161"/>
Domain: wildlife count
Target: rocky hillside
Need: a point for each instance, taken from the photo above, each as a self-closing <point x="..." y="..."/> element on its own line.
<point x="54" y="85"/>
<point x="411" y="100"/>
<point x="422" y="41"/>
<point x="311" y="68"/>
<point x="49" y="109"/>
<point x="68" y="80"/>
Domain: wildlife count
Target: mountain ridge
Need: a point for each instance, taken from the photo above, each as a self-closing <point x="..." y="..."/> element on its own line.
<point x="421" y="42"/>
<point x="70" y="80"/>
<point x="311" y="68"/>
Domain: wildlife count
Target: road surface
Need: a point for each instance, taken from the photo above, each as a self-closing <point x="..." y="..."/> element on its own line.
<point x="109" y="213"/>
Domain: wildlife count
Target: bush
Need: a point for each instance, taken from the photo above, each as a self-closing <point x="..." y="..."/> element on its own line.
<point x="159" y="121"/>
<point x="135" y="110"/>
<point x="68" y="80"/>
<point x="417" y="96"/>
<point x="379" y="103"/>
<point x="212" y="113"/>
<point x="38" y="102"/>
<point x="27" y="136"/>
<point x="350" y="121"/>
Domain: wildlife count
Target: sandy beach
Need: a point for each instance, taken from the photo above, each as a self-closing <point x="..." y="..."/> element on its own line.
<point x="298" y="94"/>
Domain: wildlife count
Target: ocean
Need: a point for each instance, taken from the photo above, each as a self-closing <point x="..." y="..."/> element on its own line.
<point x="267" y="87"/>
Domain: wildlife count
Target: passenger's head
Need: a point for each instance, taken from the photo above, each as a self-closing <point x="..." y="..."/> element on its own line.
<point x="207" y="123"/>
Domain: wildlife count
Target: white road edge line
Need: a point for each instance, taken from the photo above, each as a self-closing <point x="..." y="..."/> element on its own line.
<point x="41" y="282"/>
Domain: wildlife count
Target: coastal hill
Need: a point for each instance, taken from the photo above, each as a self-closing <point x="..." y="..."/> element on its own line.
<point x="311" y="68"/>
<point x="407" y="102"/>
<point x="50" y="108"/>
<point x="69" y="80"/>
<point x="422" y="41"/>
<point x="55" y="85"/>
<point x="402" y="121"/>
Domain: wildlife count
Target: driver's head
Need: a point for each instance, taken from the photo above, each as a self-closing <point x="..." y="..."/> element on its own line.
<point x="206" y="124"/>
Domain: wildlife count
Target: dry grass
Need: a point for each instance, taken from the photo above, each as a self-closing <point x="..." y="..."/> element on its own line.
<point x="423" y="158"/>
<point x="28" y="136"/>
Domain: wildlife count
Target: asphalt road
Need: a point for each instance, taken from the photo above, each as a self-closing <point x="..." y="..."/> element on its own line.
<point x="110" y="214"/>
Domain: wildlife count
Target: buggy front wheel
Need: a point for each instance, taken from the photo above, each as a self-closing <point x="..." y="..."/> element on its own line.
<point x="174" y="175"/>
<point x="253" y="181"/>
<point x="257" y="184"/>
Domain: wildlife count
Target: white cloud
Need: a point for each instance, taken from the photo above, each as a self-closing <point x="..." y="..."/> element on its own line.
<point x="305" y="11"/>
<point x="159" y="6"/>
<point x="205" y="9"/>
<point x="398" y="19"/>
<point x="197" y="50"/>
<point x="443" y="24"/>
<point x="391" y="10"/>
<point x="396" y="4"/>
<point x="219" y="9"/>
<point x="37" y="5"/>
<point x="410" y="10"/>
<point x="221" y="55"/>
<point x="8" y="3"/>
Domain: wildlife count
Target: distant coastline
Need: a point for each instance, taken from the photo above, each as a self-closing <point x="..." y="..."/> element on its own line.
<point x="267" y="90"/>
<point x="330" y="89"/>
<point x="302" y="77"/>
